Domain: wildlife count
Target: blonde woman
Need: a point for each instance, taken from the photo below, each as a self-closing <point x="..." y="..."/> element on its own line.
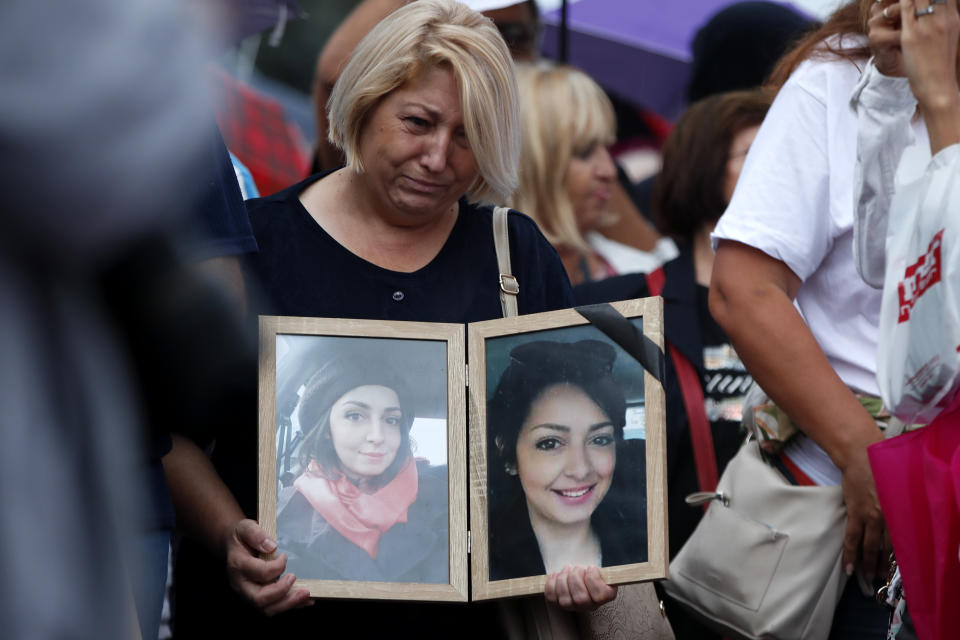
<point x="426" y="113"/>
<point x="567" y="176"/>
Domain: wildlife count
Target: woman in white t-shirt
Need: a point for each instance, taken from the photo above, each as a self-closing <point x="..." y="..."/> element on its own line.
<point x="786" y="291"/>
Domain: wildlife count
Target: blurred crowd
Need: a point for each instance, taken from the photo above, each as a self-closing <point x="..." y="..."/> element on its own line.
<point x="140" y="241"/>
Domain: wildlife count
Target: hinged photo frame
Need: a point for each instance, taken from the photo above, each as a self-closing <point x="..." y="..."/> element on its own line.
<point x="364" y="452"/>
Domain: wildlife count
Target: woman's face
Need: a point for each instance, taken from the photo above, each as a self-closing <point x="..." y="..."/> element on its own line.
<point x="588" y="181"/>
<point x="566" y="455"/>
<point x="738" y="153"/>
<point x="415" y="152"/>
<point x="365" y="425"/>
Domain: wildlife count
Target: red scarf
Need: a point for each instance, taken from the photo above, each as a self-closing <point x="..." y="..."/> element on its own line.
<point x="360" y="517"/>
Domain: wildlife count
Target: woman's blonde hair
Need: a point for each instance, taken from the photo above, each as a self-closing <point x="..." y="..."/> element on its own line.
<point x="563" y="112"/>
<point x="428" y="34"/>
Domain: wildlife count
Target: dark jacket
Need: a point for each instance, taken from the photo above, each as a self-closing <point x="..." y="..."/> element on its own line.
<point x="619" y="522"/>
<point x="411" y="551"/>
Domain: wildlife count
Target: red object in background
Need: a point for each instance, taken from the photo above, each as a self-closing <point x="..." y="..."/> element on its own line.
<point x="256" y="129"/>
<point x="657" y="129"/>
<point x="659" y="126"/>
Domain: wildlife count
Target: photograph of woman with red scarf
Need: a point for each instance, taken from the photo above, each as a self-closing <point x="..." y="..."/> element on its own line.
<point x="362" y="507"/>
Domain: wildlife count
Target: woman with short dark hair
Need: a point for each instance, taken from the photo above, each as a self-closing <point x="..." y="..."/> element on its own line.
<point x="702" y="158"/>
<point x="558" y="488"/>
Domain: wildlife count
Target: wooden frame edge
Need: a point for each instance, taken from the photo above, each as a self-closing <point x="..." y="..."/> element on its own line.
<point x="656" y="567"/>
<point x="456" y="590"/>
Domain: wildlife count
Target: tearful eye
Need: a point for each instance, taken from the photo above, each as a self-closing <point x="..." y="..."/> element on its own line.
<point x="392" y="420"/>
<point x="354" y="416"/>
<point x="548" y="444"/>
<point x="416" y="123"/>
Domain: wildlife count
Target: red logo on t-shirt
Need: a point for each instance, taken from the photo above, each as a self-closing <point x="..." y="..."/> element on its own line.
<point x="919" y="277"/>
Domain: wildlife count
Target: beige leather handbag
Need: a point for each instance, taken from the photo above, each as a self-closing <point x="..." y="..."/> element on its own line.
<point x="765" y="560"/>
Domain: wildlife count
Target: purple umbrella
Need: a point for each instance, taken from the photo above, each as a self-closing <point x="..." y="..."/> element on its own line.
<point x="635" y="49"/>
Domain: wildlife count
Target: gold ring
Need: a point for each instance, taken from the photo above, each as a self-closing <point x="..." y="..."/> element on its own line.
<point x="884" y="13"/>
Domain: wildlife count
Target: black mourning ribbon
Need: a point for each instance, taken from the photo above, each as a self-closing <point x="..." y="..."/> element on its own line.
<point x="612" y="323"/>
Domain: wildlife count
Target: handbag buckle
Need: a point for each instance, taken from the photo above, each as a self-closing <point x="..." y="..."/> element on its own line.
<point x="509" y="284"/>
<point x="700" y="498"/>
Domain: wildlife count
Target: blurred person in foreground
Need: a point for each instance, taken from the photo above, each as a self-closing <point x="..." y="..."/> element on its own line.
<point x="79" y="475"/>
<point x="785" y="248"/>
<point x="702" y="159"/>
<point x="567" y="176"/>
<point x="426" y="112"/>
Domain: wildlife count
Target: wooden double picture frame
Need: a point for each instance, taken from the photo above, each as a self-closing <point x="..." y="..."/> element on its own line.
<point x="396" y="464"/>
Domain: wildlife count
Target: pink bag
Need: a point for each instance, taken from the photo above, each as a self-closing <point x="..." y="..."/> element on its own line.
<point x="918" y="482"/>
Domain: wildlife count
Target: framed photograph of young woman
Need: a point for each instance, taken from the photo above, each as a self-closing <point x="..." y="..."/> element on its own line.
<point x="362" y="465"/>
<point x="567" y="447"/>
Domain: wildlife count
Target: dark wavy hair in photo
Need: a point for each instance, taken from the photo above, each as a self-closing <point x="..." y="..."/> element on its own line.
<point x="328" y="384"/>
<point x="536" y="366"/>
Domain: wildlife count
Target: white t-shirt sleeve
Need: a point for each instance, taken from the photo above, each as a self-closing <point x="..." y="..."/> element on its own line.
<point x="781" y="205"/>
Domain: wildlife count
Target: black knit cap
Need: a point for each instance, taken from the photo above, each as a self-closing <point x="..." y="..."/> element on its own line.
<point x="342" y="373"/>
<point x="561" y="361"/>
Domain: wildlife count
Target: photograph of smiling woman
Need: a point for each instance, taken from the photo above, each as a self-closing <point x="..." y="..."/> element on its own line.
<point x="362" y="507"/>
<point x="565" y="488"/>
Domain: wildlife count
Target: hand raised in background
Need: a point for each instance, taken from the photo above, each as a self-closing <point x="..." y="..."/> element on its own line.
<point x="929" y="51"/>
<point x="884" y="38"/>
